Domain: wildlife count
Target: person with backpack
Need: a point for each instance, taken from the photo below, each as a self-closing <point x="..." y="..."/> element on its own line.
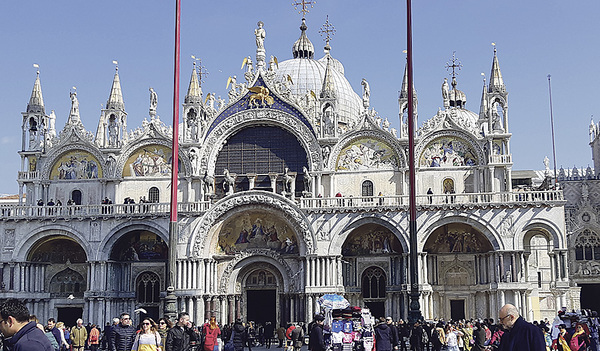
<point x="438" y="337"/>
<point x="94" y="338"/>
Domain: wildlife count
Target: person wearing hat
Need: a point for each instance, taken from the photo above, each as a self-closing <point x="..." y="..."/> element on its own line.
<point x="394" y="332"/>
<point x="316" y="341"/>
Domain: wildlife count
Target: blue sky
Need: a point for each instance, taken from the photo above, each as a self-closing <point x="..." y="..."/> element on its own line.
<point x="75" y="42"/>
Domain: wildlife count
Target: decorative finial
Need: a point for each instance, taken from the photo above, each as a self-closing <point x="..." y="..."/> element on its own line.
<point x="328" y="30"/>
<point x="37" y="67"/>
<point x="456" y="66"/>
<point x="202" y="72"/>
<point x="305" y="6"/>
<point x="494" y="45"/>
<point x="116" y="64"/>
<point x="483" y="75"/>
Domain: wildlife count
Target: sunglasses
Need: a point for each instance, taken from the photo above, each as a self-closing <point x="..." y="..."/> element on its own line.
<point x="146" y="323"/>
<point x="163" y="323"/>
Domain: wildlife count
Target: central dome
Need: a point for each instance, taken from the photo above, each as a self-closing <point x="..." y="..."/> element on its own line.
<point x="308" y="74"/>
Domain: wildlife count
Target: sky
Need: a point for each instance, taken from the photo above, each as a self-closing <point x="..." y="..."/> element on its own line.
<point x="75" y="41"/>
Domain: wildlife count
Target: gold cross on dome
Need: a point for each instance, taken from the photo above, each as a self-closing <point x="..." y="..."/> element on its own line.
<point x="305" y="6"/>
<point x="328" y="29"/>
<point x="456" y="65"/>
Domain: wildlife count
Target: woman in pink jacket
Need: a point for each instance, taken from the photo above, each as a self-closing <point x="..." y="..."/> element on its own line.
<point x="211" y="332"/>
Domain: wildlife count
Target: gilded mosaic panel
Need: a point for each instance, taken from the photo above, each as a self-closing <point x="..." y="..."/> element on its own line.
<point x="256" y="230"/>
<point x="76" y="165"/>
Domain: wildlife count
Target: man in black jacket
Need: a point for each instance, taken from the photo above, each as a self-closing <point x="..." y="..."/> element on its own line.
<point x="520" y="335"/>
<point x="121" y="338"/>
<point x="179" y="337"/>
<point x="20" y="333"/>
<point x="316" y="341"/>
<point x="394" y="332"/>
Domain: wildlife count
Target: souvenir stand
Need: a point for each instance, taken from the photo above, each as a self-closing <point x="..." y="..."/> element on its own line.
<point x="346" y="328"/>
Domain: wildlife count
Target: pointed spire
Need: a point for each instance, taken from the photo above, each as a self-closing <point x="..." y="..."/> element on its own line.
<point x="115" y="100"/>
<point x="328" y="91"/>
<point x="496" y="81"/>
<point x="404" y="91"/>
<point x="194" y="93"/>
<point x="36" y="101"/>
<point x="483" y="107"/>
<point x="303" y="47"/>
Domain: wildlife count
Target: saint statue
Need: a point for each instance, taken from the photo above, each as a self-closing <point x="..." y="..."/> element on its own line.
<point x="366" y="92"/>
<point x="446" y="93"/>
<point x="260" y="36"/>
<point x="153" y="101"/>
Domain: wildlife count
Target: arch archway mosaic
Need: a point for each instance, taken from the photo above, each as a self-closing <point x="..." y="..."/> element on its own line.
<point x="139" y="245"/>
<point x="371" y="239"/>
<point x="367" y="153"/>
<point x="448" y="151"/>
<point x="255" y="229"/>
<point x="149" y="161"/>
<point x="67" y="282"/>
<point x="77" y="164"/>
<point x="457" y="238"/>
<point x="57" y="249"/>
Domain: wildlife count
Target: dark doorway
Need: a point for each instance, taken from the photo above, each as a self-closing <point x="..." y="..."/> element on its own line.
<point x="377" y="308"/>
<point x="589" y="296"/>
<point x="69" y="315"/>
<point x="457" y="309"/>
<point x="261" y="305"/>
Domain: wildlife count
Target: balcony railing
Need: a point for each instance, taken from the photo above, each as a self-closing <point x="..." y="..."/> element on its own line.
<point x="359" y="202"/>
<point x="501" y="159"/>
<point x="29" y="175"/>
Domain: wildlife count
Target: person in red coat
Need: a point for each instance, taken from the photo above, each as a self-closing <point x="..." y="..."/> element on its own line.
<point x="211" y="332"/>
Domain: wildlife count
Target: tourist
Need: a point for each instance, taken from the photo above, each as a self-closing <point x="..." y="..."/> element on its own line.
<point x="316" y="341"/>
<point x="452" y="338"/>
<point x="78" y="336"/>
<point x="211" y="333"/>
<point x="19" y="333"/>
<point x="48" y="334"/>
<point x="478" y="337"/>
<point x="520" y="335"/>
<point x="179" y="337"/>
<point x="417" y="337"/>
<point x="269" y="333"/>
<point x="250" y="335"/>
<point x="94" y="338"/>
<point x="164" y="324"/>
<point x="51" y="327"/>
<point x="148" y="339"/>
<point x="383" y="336"/>
<point x="238" y="335"/>
<point x="64" y="336"/>
<point x="580" y="339"/>
<point x="280" y="335"/>
<point x="121" y="338"/>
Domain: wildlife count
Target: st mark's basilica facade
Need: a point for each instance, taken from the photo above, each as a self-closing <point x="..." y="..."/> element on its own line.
<point x="291" y="188"/>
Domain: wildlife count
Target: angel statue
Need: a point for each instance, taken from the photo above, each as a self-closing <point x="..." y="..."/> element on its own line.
<point x="228" y="182"/>
<point x="366" y="92"/>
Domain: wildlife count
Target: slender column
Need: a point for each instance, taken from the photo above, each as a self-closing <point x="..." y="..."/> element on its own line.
<point x="552" y="268"/>
<point x="502" y="298"/>
<point x="207" y="311"/>
<point x="518" y="305"/>
<point x="318" y="189"/>
<point x="178" y="263"/>
<point x="502" y="274"/>
<point x="201" y="281"/>
<point x="238" y="306"/>
<point x="223" y="309"/>
<point x="313" y="271"/>
<point x="425" y="279"/>
<point x="306" y="272"/>
<point x="563" y="265"/>
<point x="513" y="267"/>
<point x="230" y="309"/>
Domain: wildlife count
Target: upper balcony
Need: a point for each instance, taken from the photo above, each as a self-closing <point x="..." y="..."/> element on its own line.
<point x="350" y="203"/>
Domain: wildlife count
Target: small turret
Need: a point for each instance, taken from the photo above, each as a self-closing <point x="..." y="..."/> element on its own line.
<point x="35" y="121"/>
<point x="403" y="104"/>
<point x="193" y="110"/>
<point x="112" y="127"/>
<point x="303" y="48"/>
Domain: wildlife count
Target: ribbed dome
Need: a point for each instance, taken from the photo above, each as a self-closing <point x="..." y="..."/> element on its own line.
<point x="335" y="63"/>
<point x="308" y="74"/>
<point x="303" y="48"/>
<point x="466" y="115"/>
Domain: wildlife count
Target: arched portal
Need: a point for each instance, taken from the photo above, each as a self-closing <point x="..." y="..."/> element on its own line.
<point x="372" y="265"/>
<point x="459" y="271"/>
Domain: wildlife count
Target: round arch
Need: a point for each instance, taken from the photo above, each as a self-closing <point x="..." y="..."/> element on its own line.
<point x="205" y="233"/>
<point x="488" y="232"/>
<point x="263" y="117"/>
<point x="451" y="135"/>
<point x="185" y="162"/>
<point x="245" y="263"/>
<point x="543" y="226"/>
<point x="44" y="233"/>
<point x="340" y="237"/>
<point x="106" y="246"/>
<point x="381" y="140"/>
<point x="77" y="146"/>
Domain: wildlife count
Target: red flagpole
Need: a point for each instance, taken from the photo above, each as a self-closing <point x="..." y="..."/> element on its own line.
<point x="170" y="303"/>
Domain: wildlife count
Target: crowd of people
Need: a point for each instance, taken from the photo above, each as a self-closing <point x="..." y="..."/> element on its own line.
<point x="568" y="332"/>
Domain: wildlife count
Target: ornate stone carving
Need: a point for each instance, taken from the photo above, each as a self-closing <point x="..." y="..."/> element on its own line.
<point x="288" y="209"/>
<point x="476" y="149"/>
<point x="506" y="227"/>
<point x="372" y="134"/>
<point x="295" y="284"/>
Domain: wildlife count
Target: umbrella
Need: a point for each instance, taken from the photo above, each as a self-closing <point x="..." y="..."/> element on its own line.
<point x="333" y="301"/>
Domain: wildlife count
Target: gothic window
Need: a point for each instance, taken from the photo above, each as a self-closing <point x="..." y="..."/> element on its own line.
<point x="373" y="283"/>
<point x="67" y="282"/>
<point x="76" y="197"/>
<point x="587" y="246"/>
<point x="148" y="288"/>
<point x="367" y="188"/>
<point x="153" y="194"/>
